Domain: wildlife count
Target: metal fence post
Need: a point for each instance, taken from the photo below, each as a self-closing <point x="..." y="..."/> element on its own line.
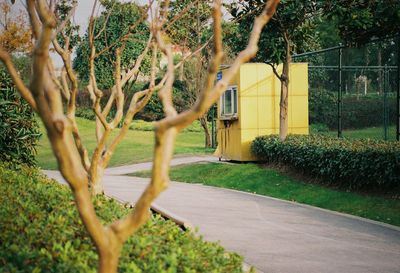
<point x="339" y="103"/>
<point x="213" y="126"/>
<point x="385" y="112"/>
<point x="398" y="90"/>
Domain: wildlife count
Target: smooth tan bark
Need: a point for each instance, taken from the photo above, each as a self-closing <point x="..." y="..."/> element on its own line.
<point x="83" y="175"/>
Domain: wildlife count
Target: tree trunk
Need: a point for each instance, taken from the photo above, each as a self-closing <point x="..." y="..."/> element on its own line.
<point x="284" y="102"/>
<point x="203" y="122"/>
<point x="108" y="258"/>
<point x="96" y="181"/>
<point x="181" y="71"/>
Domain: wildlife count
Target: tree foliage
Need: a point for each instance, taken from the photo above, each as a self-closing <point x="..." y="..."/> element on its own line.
<point x="70" y="30"/>
<point x="55" y="103"/>
<point x="193" y="20"/>
<point x="359" y="21"/>
<point x="15" y="34"/>
<point x="117" y="19"/>
<point x="19" y="130"/>
<point x="294" y="19"/>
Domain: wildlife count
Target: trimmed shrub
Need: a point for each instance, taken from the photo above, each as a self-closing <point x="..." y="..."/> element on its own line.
<point x="362" y="112"/>
<point x="141" y="125"/>
<point x="154" y="109"/>
<point x="42" y="232"/>
<point x="351" y="164"/>
<point x="86" y="113"/>
<point x="19" y="130"/>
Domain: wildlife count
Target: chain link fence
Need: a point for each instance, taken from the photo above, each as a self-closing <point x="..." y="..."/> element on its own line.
<point x="354" y="92"/>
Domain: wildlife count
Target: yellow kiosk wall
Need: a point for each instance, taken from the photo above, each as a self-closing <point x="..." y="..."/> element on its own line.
<point x="258" y="92"/>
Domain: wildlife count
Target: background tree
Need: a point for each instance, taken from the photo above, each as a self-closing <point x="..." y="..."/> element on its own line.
<point x="291" y="30"/>
<point x="113" y="25"/>
<point x="188" y="30"/>
<point x="15" y="34"/>
<point x="82" y="173"/>
<point x="360" y="21"/>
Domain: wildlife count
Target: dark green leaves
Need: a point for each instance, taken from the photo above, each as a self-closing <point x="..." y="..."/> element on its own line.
<point x="19" y="130"/>
<point x="351" y="164"/>
<point x="42" y="232"/>
<point x="293" y="18"/>
<point x="360" y="21"/>
<point x="123" y="16"/>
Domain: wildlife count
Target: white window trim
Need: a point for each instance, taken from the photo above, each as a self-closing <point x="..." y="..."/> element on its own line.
<point x="235" y="101"/>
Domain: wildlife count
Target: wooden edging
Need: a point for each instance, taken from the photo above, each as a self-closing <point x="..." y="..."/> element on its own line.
<point x="182" y="223"/>
<point x="155" y="209"/>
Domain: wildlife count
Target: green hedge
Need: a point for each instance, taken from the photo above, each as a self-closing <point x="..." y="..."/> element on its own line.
<point x="41" y="232"/>
<point x="351" y="164"/>
<point x="138" y="124"/>
<point x="362" y="112"/>
<point x="19" y="130"/>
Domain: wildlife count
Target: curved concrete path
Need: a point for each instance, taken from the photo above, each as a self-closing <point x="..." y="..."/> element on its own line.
<point x="273" y="235"/>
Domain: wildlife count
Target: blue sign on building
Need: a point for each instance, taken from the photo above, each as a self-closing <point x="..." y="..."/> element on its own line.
<point x="219" y="75"/>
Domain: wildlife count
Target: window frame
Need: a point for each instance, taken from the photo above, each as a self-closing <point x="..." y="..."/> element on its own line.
<point x="233" y="114"/>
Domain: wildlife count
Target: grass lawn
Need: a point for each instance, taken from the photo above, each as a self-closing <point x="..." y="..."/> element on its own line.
<point x="372" y="133"/>
<point x="265" y="181"/>
<point x="136" y="147"/>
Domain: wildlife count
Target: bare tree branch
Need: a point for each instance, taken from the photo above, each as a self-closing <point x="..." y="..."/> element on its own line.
<point x="65" y="21"/>
<point x="44" y="95"/>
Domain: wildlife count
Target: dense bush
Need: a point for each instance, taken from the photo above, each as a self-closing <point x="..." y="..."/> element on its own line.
<point x="19" y="131"/>
<point x="137" y="124"/>
<point x="86" y="113"/>
<point x="141" y="125"/>
<point x="151" y="112"/>
<point x="351" y="164"/>
<point x="362" y="112"/>
<point x="41" y="232"/>
<point x="154" y="110"/>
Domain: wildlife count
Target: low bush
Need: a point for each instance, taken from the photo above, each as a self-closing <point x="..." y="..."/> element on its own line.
<point x="318" y="128"/>
<point x="154" y="109"/>
<point x="86" y="113"/>
<point x="362" y="112"/>
<point x="19" y="130"/>
<point x="141" y="125"/>
<point x="351" y="164"/>
<point x="42" y="232"/>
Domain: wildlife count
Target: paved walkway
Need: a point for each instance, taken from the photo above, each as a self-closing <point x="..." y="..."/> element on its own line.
<point x="273" y="235"/>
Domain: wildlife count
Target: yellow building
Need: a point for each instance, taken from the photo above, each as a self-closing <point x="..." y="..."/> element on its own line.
<point x="250" y="108"/>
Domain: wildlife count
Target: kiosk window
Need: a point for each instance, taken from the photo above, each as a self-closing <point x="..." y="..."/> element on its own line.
<point x="229" y="102"/>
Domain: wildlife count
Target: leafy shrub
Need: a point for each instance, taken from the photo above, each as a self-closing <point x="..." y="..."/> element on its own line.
<point x="319" y="128"/>
<point x="362" y="112"/>
<point x="19" y="131"/>
<point x="154" y="110"/>
<point x="86" y="113"/>
<point x="141" y="125"/>
<point x="352" y="164"/>
<point x="323" y="108"/>
<point x="42" y="232"/>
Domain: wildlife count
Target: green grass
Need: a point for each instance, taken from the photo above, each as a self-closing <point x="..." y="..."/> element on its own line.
<point x="269" y="182"/>
<point x="136" y="147"/>
<point x="371" y="132"/>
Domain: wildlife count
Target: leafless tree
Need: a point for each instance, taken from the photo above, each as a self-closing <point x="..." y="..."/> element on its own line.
<point x="47" y="95"/>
